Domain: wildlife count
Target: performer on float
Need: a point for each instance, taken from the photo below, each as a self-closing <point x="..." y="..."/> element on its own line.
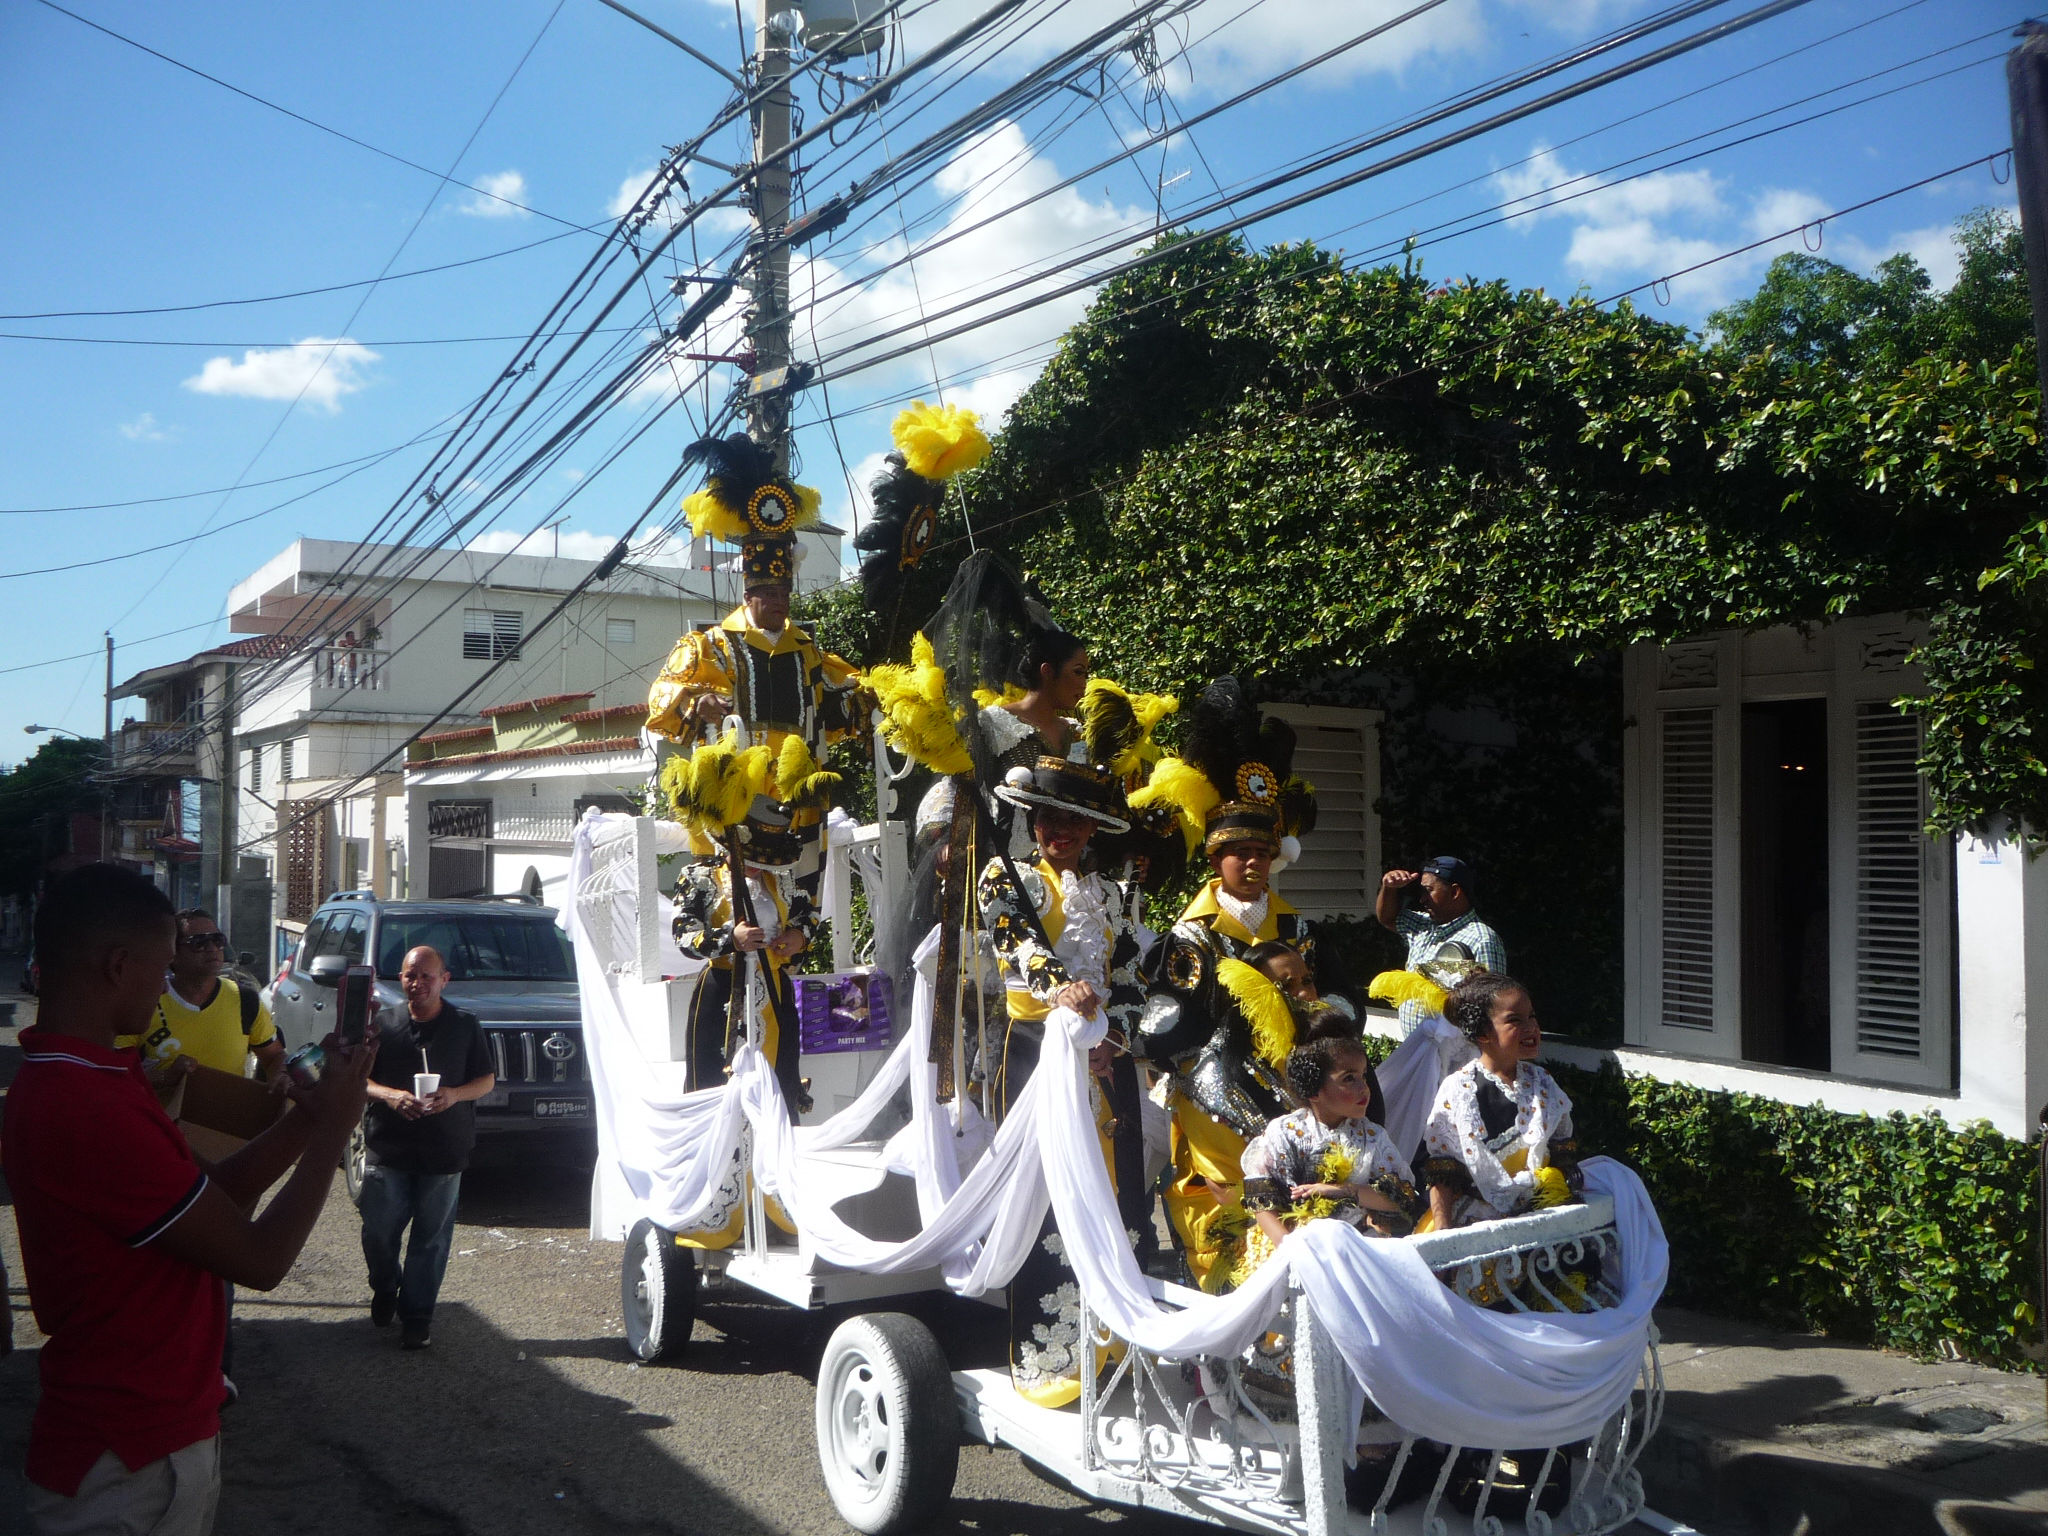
<point x="741" y="805"/>
<point x="1500" y="1137"/>
<point x="754" y="664"/>
<point x="1222" y="1029"/>
<point x="1326" y="1160"/>
<point x="1074" y="947"/>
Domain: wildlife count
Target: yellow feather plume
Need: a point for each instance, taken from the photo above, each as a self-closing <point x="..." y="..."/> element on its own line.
<point x="988" y="698"/>
<point x="938" y="441"/>
<point x="1336" y="1166"/>
<point x="1264" y="1007"/>
<point x="916" y="716"/>
<point x="1147" y="710"/>
<point x="1398" y="987"/>
<point x="798" y="778"/>
<point x="808" y="499"/>
<point x="712" y="789"/>
<point x="711" y="518"/>
<point x="1552" y="1188"/>
<point x="1187" y="789"/>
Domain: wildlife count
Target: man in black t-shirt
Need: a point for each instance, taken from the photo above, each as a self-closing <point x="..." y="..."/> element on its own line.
<point x="419" y="1146"/>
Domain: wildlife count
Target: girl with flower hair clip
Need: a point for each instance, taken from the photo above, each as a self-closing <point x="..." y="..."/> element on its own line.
<point x="1327" y="1160"/>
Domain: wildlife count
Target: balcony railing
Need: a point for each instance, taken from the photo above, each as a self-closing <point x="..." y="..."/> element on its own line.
<point x="153" y="746"/>
<point x="342" y="667"/>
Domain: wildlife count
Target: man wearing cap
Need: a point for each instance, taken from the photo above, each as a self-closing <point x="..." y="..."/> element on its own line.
<point x="1443" y="925"/>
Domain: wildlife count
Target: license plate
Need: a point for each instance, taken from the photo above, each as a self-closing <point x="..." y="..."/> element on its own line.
<point x="561" y="1109"/>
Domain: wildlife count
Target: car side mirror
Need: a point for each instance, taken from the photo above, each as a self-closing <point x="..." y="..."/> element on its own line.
<point x="328" y="970"/>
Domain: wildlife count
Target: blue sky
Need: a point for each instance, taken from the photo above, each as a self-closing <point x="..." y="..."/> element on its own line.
<point x="133" y="185"/>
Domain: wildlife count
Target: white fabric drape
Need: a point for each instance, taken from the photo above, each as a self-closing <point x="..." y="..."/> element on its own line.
<point x="1434" y="1363"/>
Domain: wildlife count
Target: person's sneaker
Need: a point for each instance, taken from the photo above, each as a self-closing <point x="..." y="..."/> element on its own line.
<point x="415" y="1334"/>
<point x="383" y="1307"/>
<point x="230" y="1393"/>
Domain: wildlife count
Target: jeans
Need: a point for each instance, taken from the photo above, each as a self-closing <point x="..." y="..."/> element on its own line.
<point x="391" y="1199"/>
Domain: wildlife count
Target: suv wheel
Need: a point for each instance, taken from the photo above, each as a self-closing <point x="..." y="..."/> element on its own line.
<point x="353" y="1161"/>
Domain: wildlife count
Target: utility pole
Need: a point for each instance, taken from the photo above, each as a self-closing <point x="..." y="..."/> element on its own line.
<point x="107" y="767"/>
<point x="768" y="329"/>
<point x="2026" y="83"/>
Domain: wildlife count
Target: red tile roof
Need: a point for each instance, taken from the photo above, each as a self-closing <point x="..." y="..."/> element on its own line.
<point x="521" y="754"/>
<point x="467" y="733"/>
<point x="259" y="646"/>
<point x="540" y="703"/>
<point x="583" y="716"/>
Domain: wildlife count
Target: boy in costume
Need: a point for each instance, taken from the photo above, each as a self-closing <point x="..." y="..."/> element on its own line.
<point x="1219" y="1027"/>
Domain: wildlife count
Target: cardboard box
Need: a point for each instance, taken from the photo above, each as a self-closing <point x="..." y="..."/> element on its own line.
<point x="219" y="1112"/>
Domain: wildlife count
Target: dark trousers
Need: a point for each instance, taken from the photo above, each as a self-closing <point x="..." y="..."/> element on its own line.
<point x="392" y="1201"/>
<point x="710" y="1010"/>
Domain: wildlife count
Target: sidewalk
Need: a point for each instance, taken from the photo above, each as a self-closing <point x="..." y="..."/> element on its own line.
<point x="1771" y="1434"/>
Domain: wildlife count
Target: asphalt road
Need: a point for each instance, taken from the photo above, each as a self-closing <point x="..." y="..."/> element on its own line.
<point x="528" y="1414"/>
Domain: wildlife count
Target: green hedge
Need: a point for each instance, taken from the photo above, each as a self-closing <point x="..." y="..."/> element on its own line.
<point x="1907" y="1233"/>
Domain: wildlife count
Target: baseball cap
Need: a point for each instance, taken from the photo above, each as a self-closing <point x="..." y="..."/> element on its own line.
<point x="1450" y="870"/>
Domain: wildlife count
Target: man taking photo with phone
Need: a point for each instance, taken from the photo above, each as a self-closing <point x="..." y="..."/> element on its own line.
<point x="433" y="1065"/>
<point x="126" y="1235"/>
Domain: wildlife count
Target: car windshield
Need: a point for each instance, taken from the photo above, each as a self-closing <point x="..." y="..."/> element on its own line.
<point x="479" y="946"/>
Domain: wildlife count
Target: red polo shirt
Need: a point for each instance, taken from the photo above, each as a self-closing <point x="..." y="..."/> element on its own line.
<point x="97" y="1171"/>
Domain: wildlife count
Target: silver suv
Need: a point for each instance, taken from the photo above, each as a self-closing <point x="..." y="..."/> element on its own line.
<point x="508" y="964"/>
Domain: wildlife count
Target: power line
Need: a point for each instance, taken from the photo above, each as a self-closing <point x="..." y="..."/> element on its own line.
<point x="300" y="117"/>
<point x="142" y="341"/>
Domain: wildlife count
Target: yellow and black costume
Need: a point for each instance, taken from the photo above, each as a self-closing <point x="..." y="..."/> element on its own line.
<point x="1218" y="1027"/>
<point x="780" y="685"/>
<point x="1077" y="927"/>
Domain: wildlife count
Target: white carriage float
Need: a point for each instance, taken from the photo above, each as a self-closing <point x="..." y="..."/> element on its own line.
<point x="1438" y="1382"/>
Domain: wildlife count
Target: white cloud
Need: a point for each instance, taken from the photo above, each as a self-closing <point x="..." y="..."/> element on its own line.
<point x="495" y="197"/>
<point x="144" y="429"/>
<point x="319" y="371"/>
<point x="1279" y="34"/>
<point x="714" y="225"/>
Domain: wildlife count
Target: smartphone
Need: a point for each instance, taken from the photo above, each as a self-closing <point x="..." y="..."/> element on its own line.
<point x="352" y="1005"/>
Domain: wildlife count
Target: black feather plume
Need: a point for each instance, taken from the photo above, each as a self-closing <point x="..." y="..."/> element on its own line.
<point x="1222" y="733"/>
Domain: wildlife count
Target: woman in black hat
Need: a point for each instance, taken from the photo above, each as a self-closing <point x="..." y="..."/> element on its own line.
<point x="1065" y="939"/>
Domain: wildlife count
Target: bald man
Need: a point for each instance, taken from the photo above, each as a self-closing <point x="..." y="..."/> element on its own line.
<point x="419" y="1145"/>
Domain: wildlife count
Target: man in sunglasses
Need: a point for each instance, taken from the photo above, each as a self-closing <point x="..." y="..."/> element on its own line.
<point x="214" y="1021"/>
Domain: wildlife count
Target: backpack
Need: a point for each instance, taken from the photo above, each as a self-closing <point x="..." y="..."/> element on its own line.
<point x="250" y="1001"/>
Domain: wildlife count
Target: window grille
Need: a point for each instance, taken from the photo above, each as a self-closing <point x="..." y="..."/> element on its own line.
<point x="1336" y="750"/>
<point x="256" y="770"/>
<point x="618" y="632"/>
<point x="284" y="761"/>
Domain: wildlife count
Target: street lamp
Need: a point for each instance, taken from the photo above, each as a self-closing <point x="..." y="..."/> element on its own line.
<point x="58" y="729"/>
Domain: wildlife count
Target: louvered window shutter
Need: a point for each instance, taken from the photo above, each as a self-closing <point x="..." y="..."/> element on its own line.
<point x="1336" y="750"/>
<point x="1685" y="833"/>
<point x="1891" y="948"/>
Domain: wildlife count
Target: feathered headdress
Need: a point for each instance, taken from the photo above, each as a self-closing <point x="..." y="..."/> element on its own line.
<point x="1234" y="778"/>
<point x="933" y="444"/>
<point x="747" y="501"/>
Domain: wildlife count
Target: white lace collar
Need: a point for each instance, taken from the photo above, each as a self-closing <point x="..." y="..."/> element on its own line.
<point x="1251" y="915"/>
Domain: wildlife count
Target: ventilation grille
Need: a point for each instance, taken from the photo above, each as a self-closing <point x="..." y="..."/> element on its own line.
<point x="1686" y="840"/>
<point x="1890" y="941"/>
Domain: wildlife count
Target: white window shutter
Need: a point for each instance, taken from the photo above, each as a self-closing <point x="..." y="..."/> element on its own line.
<point x="1685" y="937"/>
<point x="1338" y="751"/>
<point x="1891" y="968"/>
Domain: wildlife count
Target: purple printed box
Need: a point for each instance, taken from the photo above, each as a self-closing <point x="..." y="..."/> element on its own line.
<point x="844" y="1011"/>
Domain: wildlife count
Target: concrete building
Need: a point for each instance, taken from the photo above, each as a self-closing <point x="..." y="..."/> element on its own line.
<point x="267" y="773"/>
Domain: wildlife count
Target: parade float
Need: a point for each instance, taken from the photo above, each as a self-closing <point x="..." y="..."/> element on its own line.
<point x="850" y="1138"/>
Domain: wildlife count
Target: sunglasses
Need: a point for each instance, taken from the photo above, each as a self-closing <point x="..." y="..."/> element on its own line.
<point x="203" y="941"/>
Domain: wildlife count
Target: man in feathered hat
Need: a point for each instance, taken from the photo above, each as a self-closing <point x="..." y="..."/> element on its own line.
<point x="1219" y="1027"/>
<point x="754" y="663"/>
